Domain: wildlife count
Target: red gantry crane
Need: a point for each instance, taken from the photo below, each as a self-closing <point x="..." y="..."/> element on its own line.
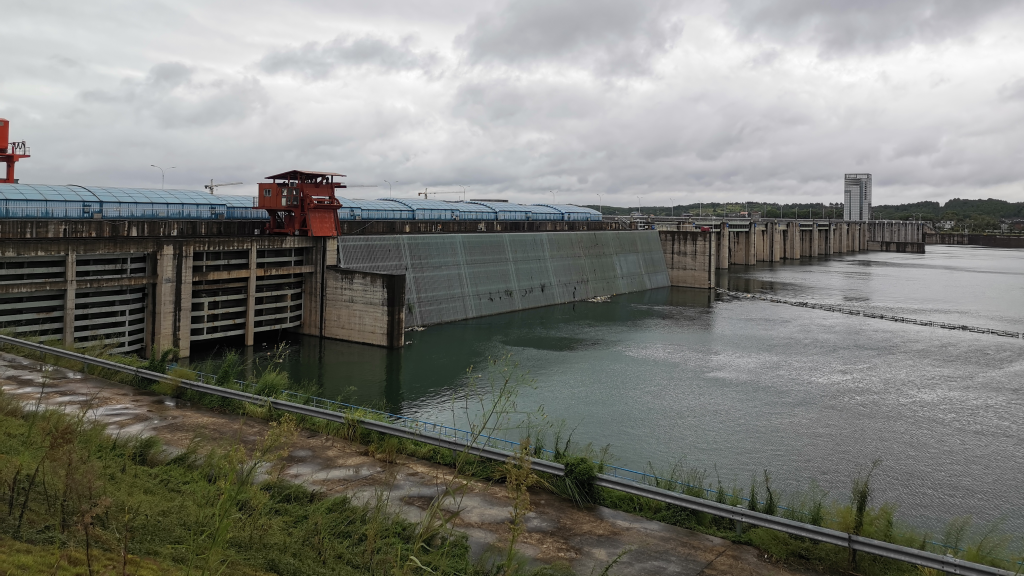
<point x="11" y="152"/>
<point x="302" y="203"/>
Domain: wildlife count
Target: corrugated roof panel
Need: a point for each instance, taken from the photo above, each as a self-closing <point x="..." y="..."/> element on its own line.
<point x="472" y="207"/>
<point x="572" y="212"/>
<point x="541" y="209"/>
<point x="570" y="208"/>
<point x="506" y="210"/>
<point x="73" y="192"/>
<point x="377" y="209"/>
<point x="429" y="209"/>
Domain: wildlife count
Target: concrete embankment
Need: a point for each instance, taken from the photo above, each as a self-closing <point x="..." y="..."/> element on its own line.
<point x="587" y="540"/>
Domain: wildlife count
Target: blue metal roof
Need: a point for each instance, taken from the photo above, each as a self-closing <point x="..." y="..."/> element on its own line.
<point x="472" y="207"/>
<point x="373" y="204"/>
<point x="416" y="203"/>
<point x="41" y="201"/>
<point x="541" y="209"/>
<point x="570" y="208"/>
<point x="76" y="193"/>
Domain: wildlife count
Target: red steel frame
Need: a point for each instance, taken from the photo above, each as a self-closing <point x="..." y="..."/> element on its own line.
<point x="11" y="152"/>
<point x="302" y="204"/>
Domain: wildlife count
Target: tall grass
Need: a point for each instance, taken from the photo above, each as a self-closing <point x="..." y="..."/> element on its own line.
<point x="201" y="511"/>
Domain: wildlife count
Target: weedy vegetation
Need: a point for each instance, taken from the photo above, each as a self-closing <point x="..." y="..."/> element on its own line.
<point x="370" y="538"/>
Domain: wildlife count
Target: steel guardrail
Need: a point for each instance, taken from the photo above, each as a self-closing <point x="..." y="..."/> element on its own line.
<point x="948" y="563"/>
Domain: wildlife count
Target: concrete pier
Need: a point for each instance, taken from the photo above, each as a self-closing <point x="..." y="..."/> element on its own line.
<point x="691" y="257"/>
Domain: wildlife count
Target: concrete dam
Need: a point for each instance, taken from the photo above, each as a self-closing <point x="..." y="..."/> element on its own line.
<point x="144" y="276"/>
<point x="457" y="276"/>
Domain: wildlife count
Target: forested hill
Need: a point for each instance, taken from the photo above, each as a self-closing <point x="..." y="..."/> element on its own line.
<point x="955" y="209"/>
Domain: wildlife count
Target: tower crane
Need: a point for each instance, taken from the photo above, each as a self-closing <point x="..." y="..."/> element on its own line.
<point x="426" y="195"/>
<point x="213" y="187"/>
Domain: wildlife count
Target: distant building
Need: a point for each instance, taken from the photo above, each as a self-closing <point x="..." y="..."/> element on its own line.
<point x="857" y="197"/>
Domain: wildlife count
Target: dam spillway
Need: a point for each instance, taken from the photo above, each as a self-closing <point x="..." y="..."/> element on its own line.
<point x="457" y="276"/>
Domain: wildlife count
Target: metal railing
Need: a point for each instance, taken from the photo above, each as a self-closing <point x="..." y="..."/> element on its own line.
<point x="866" y="314"/>
<point x="456" y="433"/>
<point x="475" y="446"/>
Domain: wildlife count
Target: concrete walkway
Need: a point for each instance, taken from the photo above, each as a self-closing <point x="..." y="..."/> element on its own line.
<point x="587" y="540"/>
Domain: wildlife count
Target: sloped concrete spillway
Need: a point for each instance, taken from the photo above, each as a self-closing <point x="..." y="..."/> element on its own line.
<point x="457" y="276"/>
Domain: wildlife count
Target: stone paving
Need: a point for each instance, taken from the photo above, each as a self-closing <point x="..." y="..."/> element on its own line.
<point x="587" y="540"/>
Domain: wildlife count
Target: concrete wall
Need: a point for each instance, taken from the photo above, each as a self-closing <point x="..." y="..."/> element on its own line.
<point x="994" y="241"/>
<point x="908" y="247"/>
<point x="691" y="257"/>
<point x="137" y="293"/>
<point x="451" y="277"/>
<point x="954" y="238"/>
<point x="365" y="307"/>
<point x="34" y="229"/>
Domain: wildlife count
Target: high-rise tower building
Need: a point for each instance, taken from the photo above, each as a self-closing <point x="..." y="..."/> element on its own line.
<point x="857" y="197"/>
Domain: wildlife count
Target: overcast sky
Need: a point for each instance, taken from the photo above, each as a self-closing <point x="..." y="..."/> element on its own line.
<point x="689" y="101"/>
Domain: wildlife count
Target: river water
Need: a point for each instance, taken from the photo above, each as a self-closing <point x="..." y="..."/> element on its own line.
<point x="678" y="376"/>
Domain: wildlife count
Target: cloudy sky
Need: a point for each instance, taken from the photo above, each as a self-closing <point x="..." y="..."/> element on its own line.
<point x="688" y="100"/>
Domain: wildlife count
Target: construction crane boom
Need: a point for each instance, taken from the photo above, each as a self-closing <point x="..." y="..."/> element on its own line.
<point x="426" y="195"/>
<point x="212" y="187"/>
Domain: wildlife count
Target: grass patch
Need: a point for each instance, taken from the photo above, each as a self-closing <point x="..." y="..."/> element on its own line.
<point x="23" y="559"/>
<point x="73" y="494"/>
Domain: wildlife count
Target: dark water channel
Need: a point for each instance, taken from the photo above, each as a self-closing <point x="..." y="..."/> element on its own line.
<point x="678" y="376"/>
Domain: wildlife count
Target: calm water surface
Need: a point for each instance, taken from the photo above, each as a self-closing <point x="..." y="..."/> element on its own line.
<point x="677" y="376"/>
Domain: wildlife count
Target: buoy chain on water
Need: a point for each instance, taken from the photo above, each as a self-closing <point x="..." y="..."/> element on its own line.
<point x="852" y="312"/>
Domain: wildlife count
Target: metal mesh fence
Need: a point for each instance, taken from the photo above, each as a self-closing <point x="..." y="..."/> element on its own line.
<point x="456" y="276"/>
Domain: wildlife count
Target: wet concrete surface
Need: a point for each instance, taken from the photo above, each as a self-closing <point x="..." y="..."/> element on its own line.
<point x="557" y="532"/>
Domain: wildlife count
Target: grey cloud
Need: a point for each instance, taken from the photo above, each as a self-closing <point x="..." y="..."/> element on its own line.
<point x="174" y="95"/>
<point x="608" y="37"/>
<point x="322" y="60"/>
<point x="532" y="103"/>
<point x="1013" y="90"/>
<point x="848" y="28"/>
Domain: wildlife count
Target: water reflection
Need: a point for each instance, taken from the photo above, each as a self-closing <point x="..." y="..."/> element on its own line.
<point x="436" y="359"/>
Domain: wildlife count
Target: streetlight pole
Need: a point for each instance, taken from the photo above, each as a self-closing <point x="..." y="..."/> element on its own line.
<point x="162" y="173"/>
<point x="389" y="189"/>
<point x="639" y="209"/>
<point x="600" y="204"/>
<point x="463" y="192"/>
<point x="553" y="201"/>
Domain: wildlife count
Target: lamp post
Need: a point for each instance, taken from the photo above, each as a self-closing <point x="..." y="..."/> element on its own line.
<point x="639" y="210"/>
<point x="553" y="201"/>
<point x="463" y="192"/>
<point x="162" y="173"/>
<point x="600" y="204"/>
<point x="389" y="189"/>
